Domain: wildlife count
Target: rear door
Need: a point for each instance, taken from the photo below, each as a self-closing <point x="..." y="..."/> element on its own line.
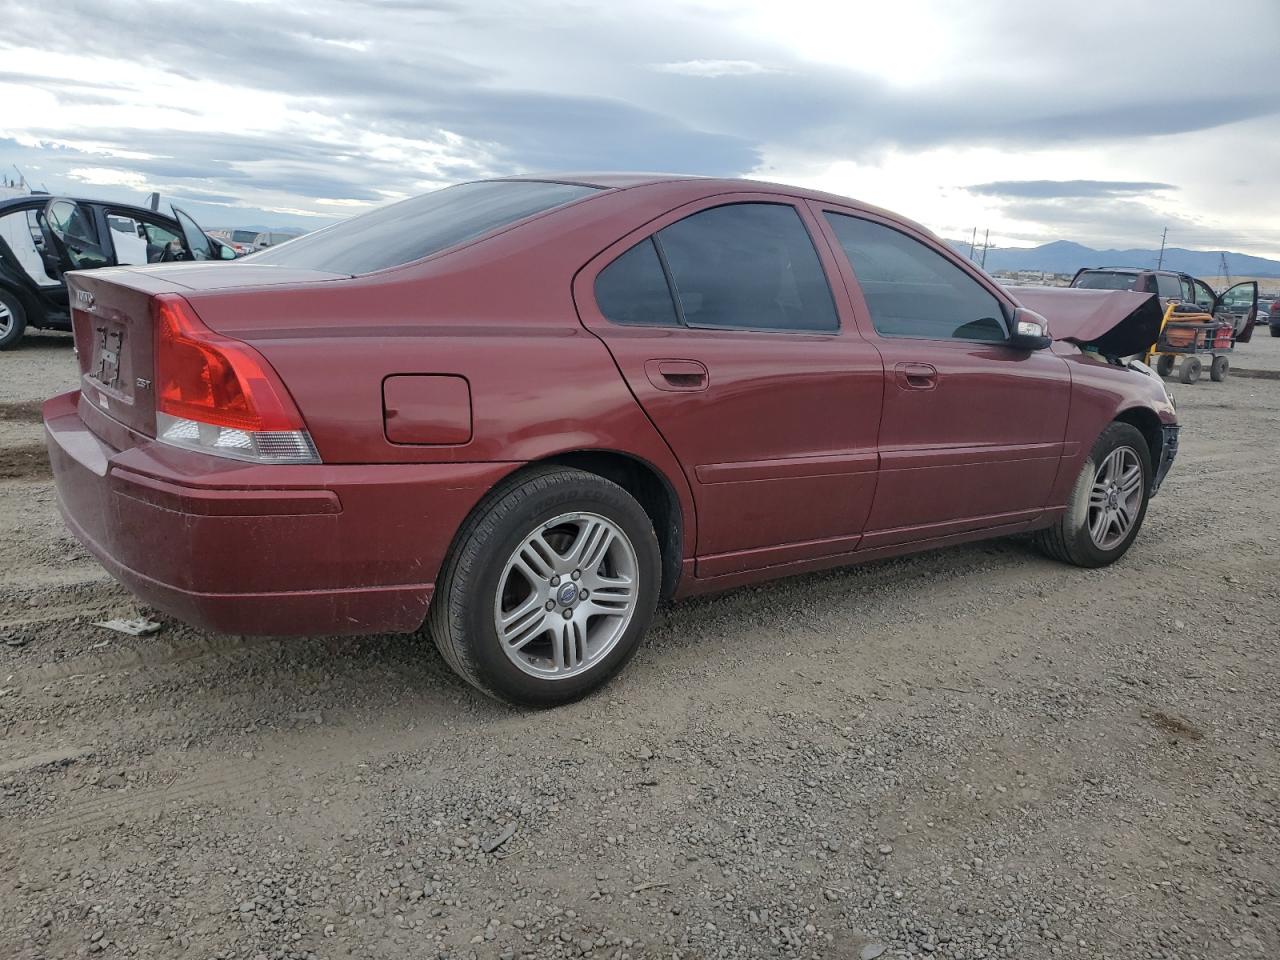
<point x="721" y="318"/>
<point x="1239" y="304"/>
<point x="72" y="236"/>
<point x="972" y="431"/>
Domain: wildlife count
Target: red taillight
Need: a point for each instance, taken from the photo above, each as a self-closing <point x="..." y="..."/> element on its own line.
<point x="209" y="378"/>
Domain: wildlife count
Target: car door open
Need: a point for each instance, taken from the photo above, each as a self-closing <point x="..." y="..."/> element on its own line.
<point x="199" y="246"/>
<point x="71" y="237"/>
<point x="1239" y="305"/>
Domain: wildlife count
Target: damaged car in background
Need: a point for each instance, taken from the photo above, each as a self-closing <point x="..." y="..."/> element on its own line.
<point x="515" y="414"/>
<point x="43" y="237"/>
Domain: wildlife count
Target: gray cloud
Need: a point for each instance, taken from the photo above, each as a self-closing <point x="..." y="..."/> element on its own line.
<point x="537" y="86"/>
<point x="1046" y="189"/>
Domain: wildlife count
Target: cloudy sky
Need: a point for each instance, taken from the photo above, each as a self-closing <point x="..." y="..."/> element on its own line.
<point x="1092" y="121"/>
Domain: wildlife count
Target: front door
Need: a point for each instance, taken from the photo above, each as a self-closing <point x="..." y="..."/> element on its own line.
<point x="973" y="430"/>
<point x="1239" y="305"/>
<point x="722" y="320"/>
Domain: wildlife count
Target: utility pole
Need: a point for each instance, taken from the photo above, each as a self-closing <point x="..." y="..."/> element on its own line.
<point x="973" y="241"/>
<point x="1222" y="266"/>
<point x="1160" y="259"/>
<point x="986" y="234"/>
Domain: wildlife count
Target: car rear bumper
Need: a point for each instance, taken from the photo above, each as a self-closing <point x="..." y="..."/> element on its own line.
<point x="271" y="550"/>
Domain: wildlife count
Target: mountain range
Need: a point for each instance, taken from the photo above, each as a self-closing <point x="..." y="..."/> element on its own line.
<point x="1064" y="256"/>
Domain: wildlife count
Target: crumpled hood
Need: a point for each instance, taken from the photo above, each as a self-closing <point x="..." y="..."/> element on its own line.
<point x="1117" y="323"/>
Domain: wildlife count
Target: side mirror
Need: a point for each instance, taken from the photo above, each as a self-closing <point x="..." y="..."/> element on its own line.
<point x="227" y="252"/>
<point x="1030" y="331"/>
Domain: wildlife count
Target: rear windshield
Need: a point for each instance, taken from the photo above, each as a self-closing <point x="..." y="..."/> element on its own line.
<point x="416" y="228"/>
<point x="1104" y="280"/>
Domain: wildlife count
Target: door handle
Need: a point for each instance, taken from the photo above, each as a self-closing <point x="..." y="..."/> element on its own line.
<point x="677" y="375"/>
<point x="916" y="376"/>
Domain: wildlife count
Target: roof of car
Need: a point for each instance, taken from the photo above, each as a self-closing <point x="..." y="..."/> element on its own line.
<point x="40" y="199"/>
<point x="711" y="186"/>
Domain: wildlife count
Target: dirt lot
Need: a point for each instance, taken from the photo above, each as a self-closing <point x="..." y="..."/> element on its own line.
<point x="971" y="753"/>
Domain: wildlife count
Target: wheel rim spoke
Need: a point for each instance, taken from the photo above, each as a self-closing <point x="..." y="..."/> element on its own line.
<point x="1115" y="498"/>
<point x="566" y="595"/>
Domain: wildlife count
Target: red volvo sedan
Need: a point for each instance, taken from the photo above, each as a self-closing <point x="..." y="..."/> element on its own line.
<point x="516" y="413"/>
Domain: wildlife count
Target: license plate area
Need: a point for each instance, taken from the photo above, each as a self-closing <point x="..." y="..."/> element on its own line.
<point x="109" y="369"/>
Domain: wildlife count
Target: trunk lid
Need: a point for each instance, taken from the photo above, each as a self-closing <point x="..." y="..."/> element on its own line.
<point x="111" y="321"/>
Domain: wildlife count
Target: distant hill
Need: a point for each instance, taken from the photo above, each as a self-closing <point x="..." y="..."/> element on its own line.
<point x="1064" y="256"/>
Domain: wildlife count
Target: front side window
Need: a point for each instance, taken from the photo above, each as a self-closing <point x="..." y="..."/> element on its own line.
<point x="139" y="242"/>
<point x="913" y="291"/>
<point x="748" y="266"/>
<point x="1203" y="295"/>
<point x="412" y="229"/>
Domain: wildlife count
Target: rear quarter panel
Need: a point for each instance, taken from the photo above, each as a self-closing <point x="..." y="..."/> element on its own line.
<point x="499" y="314"/>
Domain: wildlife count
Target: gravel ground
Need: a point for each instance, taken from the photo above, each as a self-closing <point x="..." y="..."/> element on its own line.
<point x="970" y="753"/>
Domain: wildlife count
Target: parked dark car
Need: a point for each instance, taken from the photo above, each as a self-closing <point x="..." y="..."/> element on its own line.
<point x="1238" y="303"/>
<point x="521" y="411"/>
<point x="1273" y="316"/>
<point x="42" y="237"/>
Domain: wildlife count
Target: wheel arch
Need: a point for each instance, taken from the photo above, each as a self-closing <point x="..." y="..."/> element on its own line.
<point x="30" y="305"/>
<point x="652" y="489"/>
<point x="1147" y="422"/>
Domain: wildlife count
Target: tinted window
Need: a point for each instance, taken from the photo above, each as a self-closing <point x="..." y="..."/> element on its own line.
<point x="1105" y="280"/>
<point x="416" y="228"/>
<point x="913" y="291"/>
<point x="633" y="289"/>
<point x="1168" y="286"/>
<point x="72" y="220"/>
<point x="748" y="265"/>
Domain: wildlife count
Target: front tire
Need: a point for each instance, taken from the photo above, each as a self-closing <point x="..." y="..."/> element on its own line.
<point x="549" y="588"/>
<point x="13" y="319"/>
<point x="1108" y="502"/>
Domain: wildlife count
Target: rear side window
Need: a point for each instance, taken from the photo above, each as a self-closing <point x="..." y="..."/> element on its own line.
<point x="416" y="228"/>
<point x="633" y="289"/>
<point x="1106" y="280"/>
<point x="748" y="265"/>
<point x="913" y="291"/>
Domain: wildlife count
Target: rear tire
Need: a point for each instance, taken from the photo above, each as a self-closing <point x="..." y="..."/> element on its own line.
<point x="1275" y="331"/>
<point x="1218" y="370"/>
<point x="13" y="319"/>
<point x="1089" y="534"/>
<point x="1164" y="364"/>
<point x="512" y="571"/>
<point x="1189" y="371"/>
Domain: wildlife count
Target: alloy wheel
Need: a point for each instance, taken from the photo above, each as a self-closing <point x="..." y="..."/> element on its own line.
<point x="6" y="320"/>
<point x="566" y="595"/>
<point x="1115" y="498"/>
